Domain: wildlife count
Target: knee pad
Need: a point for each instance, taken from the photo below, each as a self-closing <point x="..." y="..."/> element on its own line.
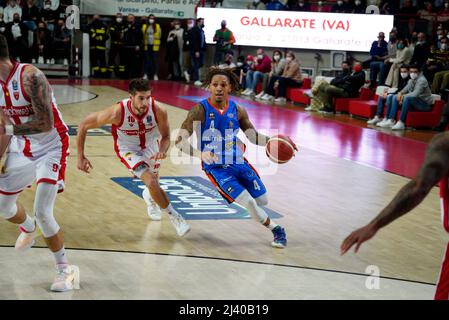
<point x="7" y="210"/>
<point x="43" y="209"/>
<point x="262" y="200"/>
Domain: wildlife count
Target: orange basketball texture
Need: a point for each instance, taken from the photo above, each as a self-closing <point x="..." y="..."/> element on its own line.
<point x="280" y="149"/>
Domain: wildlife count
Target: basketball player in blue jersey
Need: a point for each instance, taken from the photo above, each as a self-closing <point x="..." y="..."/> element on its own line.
<point x="222" y="158"/>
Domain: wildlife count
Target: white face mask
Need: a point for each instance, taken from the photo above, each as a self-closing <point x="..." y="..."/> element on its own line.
<point x="190" y="25"/>
<point x="2" y="29"/>
<point x="288" y="59"/>
<point x="260" y="56"/>
<point x="413" y="76"/>
<point x="404" y="75"/>
<point x="151" y="21"/>
<point x="320" y="3"/>
<point x="47" y="6"/>
<point x="339" y="3"/>
<point x="177" y="26"/>
<point x="239" y="64"/>
<point x="357" y="3"/>
<point x="443" y="46"/>
<point x="276" y="57"/>
<point x="119" y="20"/>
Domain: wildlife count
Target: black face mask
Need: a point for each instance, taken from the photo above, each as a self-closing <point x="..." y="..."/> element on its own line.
<point x="223" y="26"/>
<point x="16" y="20"/>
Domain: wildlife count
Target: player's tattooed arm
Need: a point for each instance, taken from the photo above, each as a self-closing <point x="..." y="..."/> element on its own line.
<point x="248" y="128"/>
<point x="192" y="123"/>
<point x="435" y="167"/>
<point x="37" y="88"/>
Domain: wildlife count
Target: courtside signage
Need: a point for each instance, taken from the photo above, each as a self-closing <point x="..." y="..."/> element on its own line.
<point x="302" y="30"/>
<point x="195" y="198"/>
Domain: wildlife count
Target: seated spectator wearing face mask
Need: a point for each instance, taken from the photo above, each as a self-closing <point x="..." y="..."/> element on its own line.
<point x="347" y="88"/>
<point x="261" y="66"/>
<point x="228" y="62"/>
<point x="241" y="69"/>
<point x="359" y="7"/>
<point x="2" y="25"/>
<point x="277" y="68"/>
<point x="42" y="44"/>
<point x="291" y="77"/>
<point x="299" y="5"/>
<point x="10" y="10"/>
<point x="256" y="5"/>
<point x="338" y="7"/>
<point x="387" y="99"/>
<point x="403" y="56"/>
<point x="49" y="15"/>
<point x="421" y="52"/>
<point x="416" y="95"/>
<point x="438" y="61"/>
<point x="17" y="35"/>
<point x="30" y="15"/>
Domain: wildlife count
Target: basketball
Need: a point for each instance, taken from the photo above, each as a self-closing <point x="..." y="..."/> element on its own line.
<point x="280" y="149"/>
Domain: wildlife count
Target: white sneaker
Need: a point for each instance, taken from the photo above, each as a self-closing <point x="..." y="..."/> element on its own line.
<point x="153" y="210"/>
<point x="66" y="62"/>
<point x="248" y="93"/>
<point x="382" y="122"/>
<point x="40" y="60"/>
<point x="198" y="83"/>
<point x="25" y="240"/>
<point x="33" y="61"/>
<point x="145" y="77"/>
<point x="179" y="223"/>
<point x="187" y="76"/>
<point x="387" y="124"/>
<point x="309" y="108"/>
<point x="398" y="126"/>
<point x="47" y="61"/>
<point x="52" y="61"/>
<point x="245" y="92"/>
<point x="374" y="120"/>
<point x="260" y="95"/>
<point x="66" y="279"/>
<point x="156" y="78"/>
<point x="280" y="100"/>
<point x="267" y="97"/>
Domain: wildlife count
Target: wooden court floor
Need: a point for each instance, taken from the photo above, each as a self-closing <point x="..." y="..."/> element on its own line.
<point x="321" y="198"/>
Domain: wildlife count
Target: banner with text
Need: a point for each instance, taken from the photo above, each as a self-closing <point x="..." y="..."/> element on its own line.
<point x="292" y="29"/>
<point x="180" y="9"/>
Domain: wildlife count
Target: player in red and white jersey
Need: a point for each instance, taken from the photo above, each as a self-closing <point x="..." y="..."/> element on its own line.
<point x="141" y="140"/>
<point x="434" y="170"/>
<point x="37" y="152"/>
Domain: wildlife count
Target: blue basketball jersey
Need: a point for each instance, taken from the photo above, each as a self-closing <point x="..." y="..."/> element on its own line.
<point x="219" y="134"/>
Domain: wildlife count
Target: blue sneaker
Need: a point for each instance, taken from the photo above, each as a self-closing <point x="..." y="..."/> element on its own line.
<point x="280" y="238"/>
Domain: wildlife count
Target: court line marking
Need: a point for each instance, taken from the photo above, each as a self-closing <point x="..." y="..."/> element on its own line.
<point x="236" y="260"/>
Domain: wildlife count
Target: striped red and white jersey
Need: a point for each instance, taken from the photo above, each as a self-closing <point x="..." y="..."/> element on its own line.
<point x="136" y="133"/>
<point x="16" y="105"/>
<point x="444" y="200"/>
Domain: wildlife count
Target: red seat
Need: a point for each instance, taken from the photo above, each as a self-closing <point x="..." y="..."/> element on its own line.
<point x="363" y="108"/>
<point x="424" y="119"/>
<point x="342" y="104"/>
<point x="297" y="94"/>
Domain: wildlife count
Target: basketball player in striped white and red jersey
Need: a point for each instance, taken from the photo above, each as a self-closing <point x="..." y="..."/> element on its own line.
<point x="435" y="169"/>
<point x="37" y="152"/>
<point x="141" y="140"/>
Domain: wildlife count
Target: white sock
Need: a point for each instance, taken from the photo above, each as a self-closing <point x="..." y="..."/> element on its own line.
<point x="61" y="258"/>
<point x="28" y="224"/>
<point x="171" y="210"/>
<point x="272" y="225"/>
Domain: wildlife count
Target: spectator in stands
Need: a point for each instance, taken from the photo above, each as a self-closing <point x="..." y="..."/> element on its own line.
<point x="256" y="5"/>
<point x="275" y="5"/>
<point x="49" y="15"/>
<point x="178" y="33"/>
<point x="427" y="13"/>
<point x="299" y="5"/>
<point x="378" y="52"/>
<point x="318" y="91"/>
<point x="438" y="60"/>
<point x="415" y="95"/>
<point x="387" y="99"/>
<point x="348" y="6"/>
<point x="403" y="57"/>
<point x="11" y="9"/>
<point x="132" y="43"/>
<point x="17" y="35"/>
<point x="291" y="77"/>
<point x="261" y="66"/>
<point x="2" y="25"/>
<point x="444" y="11"/>
<point x="187" y="61"/>
<point x="421" y="52"/>
<point x="408" y="9"/>
<point x="116" y="32"/>
<point x="224" y="42"/>
<point x="197" y="48"/>
<point x="349" y="88"/>
<point x="30" y="15"/>
<point x="389" y="7"/>
<point x="228" y="62"/>
<point x="386" y="64"/>
<point x="242" y="69"/>
<point x="61" y="42"/>
<point x="358" y="7"/>
<point x="152" y="34"/>
<point x="172" y="52"/>
<point x="42" y="44"/>
<point x="338" y="7"/>
<point x="277" y="69"/>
